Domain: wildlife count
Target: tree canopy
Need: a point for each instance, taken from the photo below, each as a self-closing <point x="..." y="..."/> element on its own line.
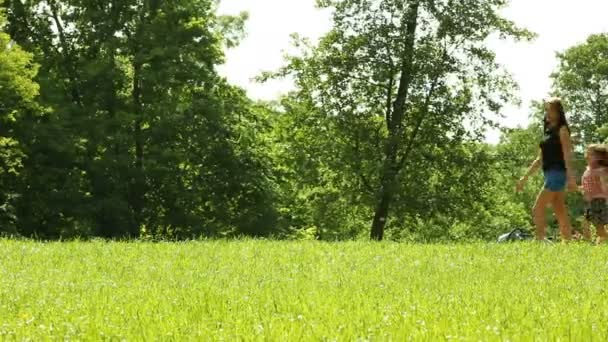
<point x="115" y="123"/>
<point x="582" y="79"/>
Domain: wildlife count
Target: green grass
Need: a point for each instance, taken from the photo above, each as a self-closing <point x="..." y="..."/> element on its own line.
<point x="251" y="290"/>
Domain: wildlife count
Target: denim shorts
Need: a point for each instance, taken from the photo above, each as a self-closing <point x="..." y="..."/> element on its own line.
<point x="555" y="180"/>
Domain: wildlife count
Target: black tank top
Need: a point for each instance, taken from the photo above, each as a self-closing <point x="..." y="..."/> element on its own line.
<point x="551" y="150"/>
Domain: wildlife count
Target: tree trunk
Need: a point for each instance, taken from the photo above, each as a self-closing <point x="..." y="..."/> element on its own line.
<point x="68" y="58"/>
<point x="391" y="168"/>
<point x="381" y="214"/>
<point x="137" y="202"/>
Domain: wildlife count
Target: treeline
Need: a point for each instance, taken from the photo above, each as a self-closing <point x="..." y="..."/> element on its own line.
<point x="115" y="123"/>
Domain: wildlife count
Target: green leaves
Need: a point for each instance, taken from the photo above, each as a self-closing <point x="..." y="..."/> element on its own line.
<point x="140" y="136"/>
<point x="395" y="97"/>
<point x="17" y="97"/>
<point x="232" y="28"/>
<point x="582" y="80"/>
<point x="142" y="131"/>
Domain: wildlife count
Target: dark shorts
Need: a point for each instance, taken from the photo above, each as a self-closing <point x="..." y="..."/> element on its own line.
<point x="555" y="180"/>
<point x="596" y="211"/>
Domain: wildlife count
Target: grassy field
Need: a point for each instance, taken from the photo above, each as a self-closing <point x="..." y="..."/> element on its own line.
<point x="252" y="290"/>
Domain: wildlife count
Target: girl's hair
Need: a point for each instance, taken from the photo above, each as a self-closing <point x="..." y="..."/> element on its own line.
<point x="556" y="102"/>
<point x="601" y="153"/>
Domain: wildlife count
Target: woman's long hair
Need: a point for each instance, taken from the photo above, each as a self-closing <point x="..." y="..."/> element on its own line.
<point x="556" y="102"/>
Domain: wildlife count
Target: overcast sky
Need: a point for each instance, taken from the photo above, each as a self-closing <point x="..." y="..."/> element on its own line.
<point x="558" y="23"/>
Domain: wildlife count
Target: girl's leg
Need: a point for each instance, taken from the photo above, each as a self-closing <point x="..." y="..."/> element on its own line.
<point x="561" y="212"/>
<point x="586" y="230"/>
<point x="601" y="232"/>
<point x="538" y="213"/>
<point x="601" y="226"/>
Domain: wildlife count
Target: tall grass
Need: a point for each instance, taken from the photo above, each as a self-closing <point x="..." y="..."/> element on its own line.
<point x="253" y="290"/>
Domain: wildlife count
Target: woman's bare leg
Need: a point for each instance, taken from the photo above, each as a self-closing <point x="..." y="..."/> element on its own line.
<point x="561" y="212"/>
<point x="539" y="211"/>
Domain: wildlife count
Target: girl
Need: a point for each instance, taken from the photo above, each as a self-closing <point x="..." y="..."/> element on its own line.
<point x="555" y="157"/>
<point x="595" y="190"/>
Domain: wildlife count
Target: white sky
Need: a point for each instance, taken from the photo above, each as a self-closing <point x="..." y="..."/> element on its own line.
<point x="558" y="23"/>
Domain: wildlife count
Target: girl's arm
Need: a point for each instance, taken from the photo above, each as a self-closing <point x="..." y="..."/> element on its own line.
<point x="586" y="184"/>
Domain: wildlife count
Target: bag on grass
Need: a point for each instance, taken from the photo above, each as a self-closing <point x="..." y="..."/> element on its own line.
<point x="516" y="234"/>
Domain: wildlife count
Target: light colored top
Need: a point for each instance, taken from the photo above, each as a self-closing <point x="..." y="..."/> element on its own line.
<point x="594" y="183"/>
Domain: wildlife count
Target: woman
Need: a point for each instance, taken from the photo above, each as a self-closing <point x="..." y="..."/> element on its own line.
<point x="555" y="157"/>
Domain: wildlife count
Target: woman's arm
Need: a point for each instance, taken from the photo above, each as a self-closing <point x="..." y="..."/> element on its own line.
<point x="531" y="170"/>
<point x="564" y="137"/>
<point x="534" y="167"/>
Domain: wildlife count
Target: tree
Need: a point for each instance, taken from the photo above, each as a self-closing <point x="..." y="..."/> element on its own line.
<point x="143" y="136"/>
<point x="582" y="80"/>
<point x="395" y="82"/>
<point x="18" y="94"/>
<point x="316" y="197"/>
